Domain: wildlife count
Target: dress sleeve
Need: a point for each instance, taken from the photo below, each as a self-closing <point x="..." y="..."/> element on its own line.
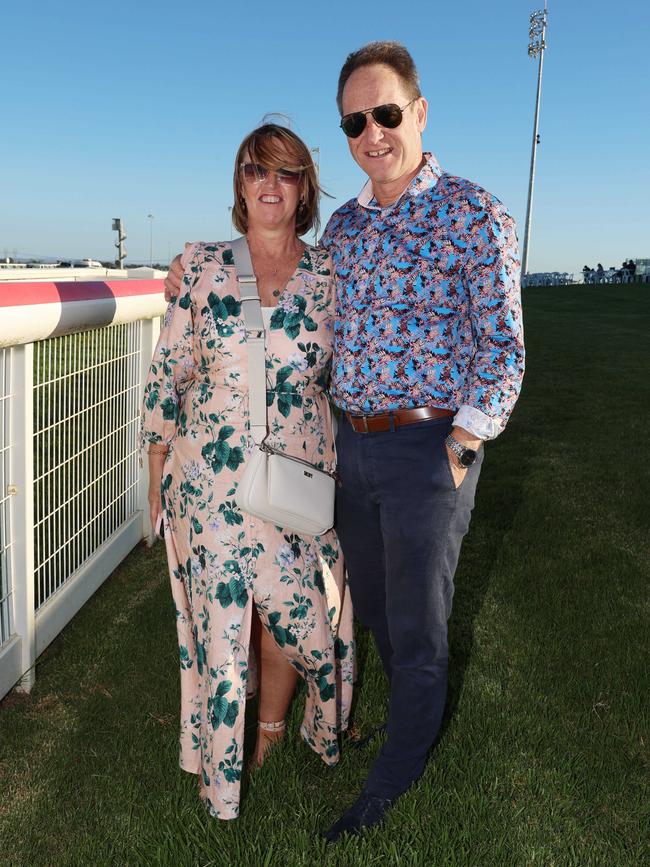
<point x="173" y="365"/>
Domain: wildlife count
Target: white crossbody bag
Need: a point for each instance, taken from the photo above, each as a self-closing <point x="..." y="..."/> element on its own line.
<point x="284" y="490"/>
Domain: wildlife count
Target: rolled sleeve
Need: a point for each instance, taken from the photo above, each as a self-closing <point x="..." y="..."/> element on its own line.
<point x="476" y="422"/>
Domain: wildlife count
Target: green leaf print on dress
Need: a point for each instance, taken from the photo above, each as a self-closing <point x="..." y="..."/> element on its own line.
<point x="340" y="648"/>
<point x="222" y="309"/>
<point x="152" y="395"/>
<point x="290" y="314"/>
<point x="232" y="591"/>
<point x="220" y="454"/>
<point x="231" y="513"/>
<point x="201" y="658"/>
<point x="325" y="687"/>
<point x="186" y="660"/>
<point x="220" y="710"/>
<point x="231" y="767"/>
<point x="282" y="634"/>
<point x="286" y="393"/>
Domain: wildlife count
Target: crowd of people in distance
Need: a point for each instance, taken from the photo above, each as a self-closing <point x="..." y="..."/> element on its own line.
<point x="625" y="274"/>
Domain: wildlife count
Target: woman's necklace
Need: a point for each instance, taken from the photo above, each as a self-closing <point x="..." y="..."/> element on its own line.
<point x="274" y="274"/>
<point x="269" y="273"/>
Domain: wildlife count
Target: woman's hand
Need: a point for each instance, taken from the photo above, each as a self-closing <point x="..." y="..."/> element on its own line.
<point x="173" y="279"/>
<point x="155" y="506"/>
<point x="156" y="463"/>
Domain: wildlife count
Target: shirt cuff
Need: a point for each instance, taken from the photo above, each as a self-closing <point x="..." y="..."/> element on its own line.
<point x="478" y="423"/>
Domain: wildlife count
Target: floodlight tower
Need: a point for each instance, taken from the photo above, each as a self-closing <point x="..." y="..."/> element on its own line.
<point x="536" y="47"/>
<point x="121" y="238"/>
<point x="150" y="217"/>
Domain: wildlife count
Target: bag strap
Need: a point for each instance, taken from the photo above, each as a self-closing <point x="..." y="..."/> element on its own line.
<point x="255" y="338"/>
<point x="256" y="344"/>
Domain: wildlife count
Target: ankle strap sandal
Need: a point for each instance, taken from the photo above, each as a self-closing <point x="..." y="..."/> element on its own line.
<point x="272" y="726"/>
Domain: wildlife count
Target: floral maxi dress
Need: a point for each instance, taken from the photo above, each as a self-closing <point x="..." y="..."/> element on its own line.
<point x="221" y="560"/>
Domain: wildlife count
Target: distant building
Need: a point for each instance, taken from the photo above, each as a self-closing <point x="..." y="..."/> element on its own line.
<point x="8" y="262"/>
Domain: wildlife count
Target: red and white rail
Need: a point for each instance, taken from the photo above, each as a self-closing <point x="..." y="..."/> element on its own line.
<point x="73" y="496"/>
<point x="36" y="311"/>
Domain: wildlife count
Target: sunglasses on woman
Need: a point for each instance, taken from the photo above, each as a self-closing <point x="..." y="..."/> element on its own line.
<point x="388" y="115"/>
<point x="254" y="173"/>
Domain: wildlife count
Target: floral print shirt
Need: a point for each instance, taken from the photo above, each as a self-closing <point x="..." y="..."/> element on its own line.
<point x="428" y="308"/>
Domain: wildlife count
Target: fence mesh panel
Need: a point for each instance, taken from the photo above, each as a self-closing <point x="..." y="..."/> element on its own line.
<point x="86" y="411"/>
<point x="5" y="523"/>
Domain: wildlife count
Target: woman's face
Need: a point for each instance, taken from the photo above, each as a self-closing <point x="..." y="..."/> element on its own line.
<point x="271" y="202"/>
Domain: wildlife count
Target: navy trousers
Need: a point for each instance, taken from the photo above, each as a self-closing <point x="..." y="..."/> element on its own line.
<point x="401" y="521"/>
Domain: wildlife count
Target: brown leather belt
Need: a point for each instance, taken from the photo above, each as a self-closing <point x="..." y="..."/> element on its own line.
<point x="384" y="421"/>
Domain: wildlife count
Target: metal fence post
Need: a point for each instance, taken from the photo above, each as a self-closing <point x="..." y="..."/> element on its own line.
<point x="22" y="480"/>
<point x="150" y="331"/>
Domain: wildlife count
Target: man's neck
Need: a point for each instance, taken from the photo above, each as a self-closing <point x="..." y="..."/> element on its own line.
<point x="387" y="194"/>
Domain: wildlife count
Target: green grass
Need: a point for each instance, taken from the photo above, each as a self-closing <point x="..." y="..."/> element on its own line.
<point x="543" y="757"/>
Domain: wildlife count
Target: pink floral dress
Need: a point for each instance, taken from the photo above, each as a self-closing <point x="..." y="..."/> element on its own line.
<point x="221" y="560"/>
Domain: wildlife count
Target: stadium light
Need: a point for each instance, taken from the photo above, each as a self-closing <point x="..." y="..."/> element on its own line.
<point x="536" y="48"/>
<point x="150" y="217"/>
<point x="121" y="238"/>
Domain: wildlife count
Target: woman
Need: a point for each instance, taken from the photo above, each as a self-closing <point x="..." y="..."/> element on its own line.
<point x="236" y="579"/>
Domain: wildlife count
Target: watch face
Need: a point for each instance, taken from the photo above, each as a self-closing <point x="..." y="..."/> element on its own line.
<point x="467" y="458"/>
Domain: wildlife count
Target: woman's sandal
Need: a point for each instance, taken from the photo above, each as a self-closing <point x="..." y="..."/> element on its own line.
<point x="268" y="733"/>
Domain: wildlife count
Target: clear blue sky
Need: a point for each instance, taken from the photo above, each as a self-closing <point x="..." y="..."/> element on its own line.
<point x="130" y="108"/>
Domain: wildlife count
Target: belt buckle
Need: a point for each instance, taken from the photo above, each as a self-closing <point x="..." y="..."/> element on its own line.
<point x="364" y="428"/>
<point x="364" y="419"/>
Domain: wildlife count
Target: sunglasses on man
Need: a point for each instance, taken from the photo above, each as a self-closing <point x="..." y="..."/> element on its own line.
<point x="388" y="115"/>
<point x="254" y="173"/>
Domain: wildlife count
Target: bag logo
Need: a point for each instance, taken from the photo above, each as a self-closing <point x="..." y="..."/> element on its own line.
<point x="309" y="475"/>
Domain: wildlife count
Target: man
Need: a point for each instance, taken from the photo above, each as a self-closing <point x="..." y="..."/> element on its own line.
<point x="428" y="364"/>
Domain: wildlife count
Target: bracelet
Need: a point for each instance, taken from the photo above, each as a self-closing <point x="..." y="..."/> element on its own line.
<point x="158" y="450"/>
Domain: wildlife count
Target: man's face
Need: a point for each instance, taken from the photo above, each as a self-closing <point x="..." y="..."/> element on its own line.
<point x="385" y="155"/>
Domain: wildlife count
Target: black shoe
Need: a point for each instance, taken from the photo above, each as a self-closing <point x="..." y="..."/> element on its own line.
<point x="366" y="812"/>
<point x="369" y="738"/>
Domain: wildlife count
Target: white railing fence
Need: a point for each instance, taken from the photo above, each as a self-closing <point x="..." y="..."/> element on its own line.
<point x="72" y="492"/>
<point x="5" y="525"/>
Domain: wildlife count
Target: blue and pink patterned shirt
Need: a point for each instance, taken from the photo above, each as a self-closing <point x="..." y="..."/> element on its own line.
<point x="428" y="309"/>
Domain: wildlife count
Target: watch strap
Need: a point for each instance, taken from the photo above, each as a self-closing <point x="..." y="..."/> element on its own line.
<point x="458" y="449"/>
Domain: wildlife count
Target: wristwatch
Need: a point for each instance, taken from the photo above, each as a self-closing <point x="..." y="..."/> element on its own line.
<point x="466" y="457"/>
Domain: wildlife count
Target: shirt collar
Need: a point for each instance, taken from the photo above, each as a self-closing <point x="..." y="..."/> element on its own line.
<point x="426" y="178"/>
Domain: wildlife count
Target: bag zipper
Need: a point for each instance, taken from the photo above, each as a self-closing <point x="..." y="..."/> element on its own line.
<point x="269" y="451"/>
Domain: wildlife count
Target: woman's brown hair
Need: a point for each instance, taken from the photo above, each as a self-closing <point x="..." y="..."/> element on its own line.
<point x="277" y="147"/>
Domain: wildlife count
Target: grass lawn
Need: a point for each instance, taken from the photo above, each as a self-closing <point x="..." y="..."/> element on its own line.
<point x="543" y="758"/>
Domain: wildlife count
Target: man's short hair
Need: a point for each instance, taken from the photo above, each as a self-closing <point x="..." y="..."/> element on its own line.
<point x="392" y="54"/>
